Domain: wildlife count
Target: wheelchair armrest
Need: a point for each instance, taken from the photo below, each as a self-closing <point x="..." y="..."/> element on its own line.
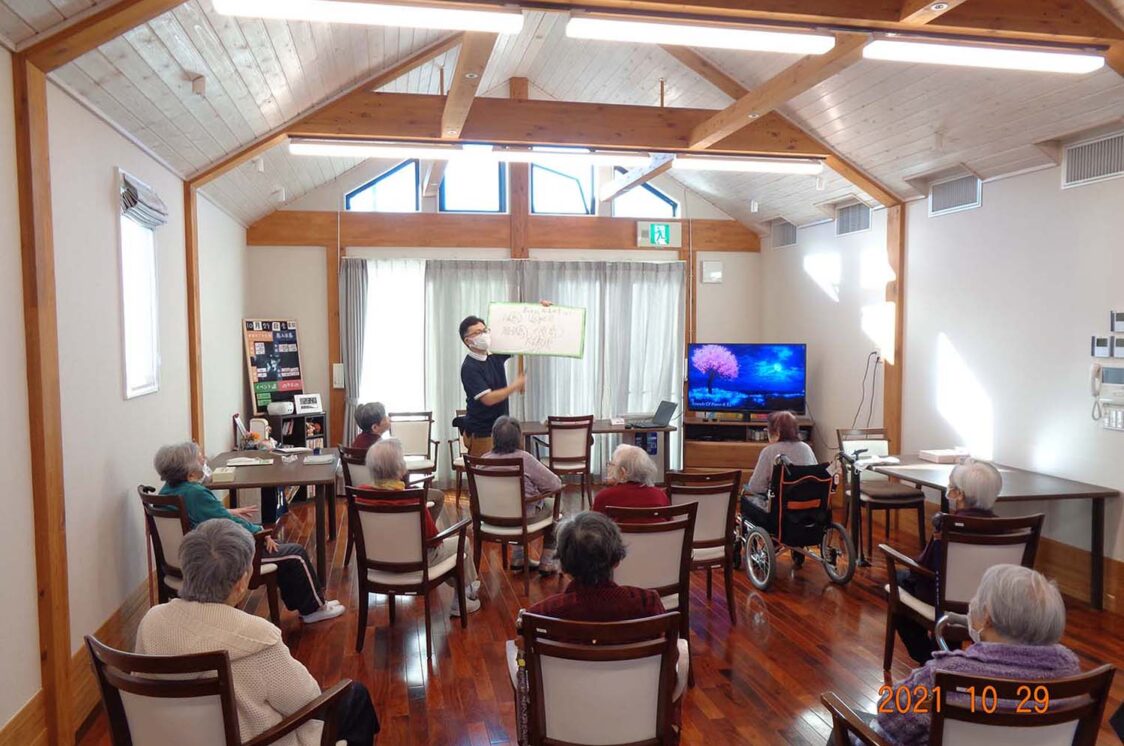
<point x="953" y="624"/>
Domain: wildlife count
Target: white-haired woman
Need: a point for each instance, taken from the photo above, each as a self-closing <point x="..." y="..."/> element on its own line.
<point x="1016" y="620"/>
<point x="632" y="479"/>
<point x="182" y="467"/>
<point x="507" y="442"/>
<point x="269" y="684"/>
<point x="387" y="463"/>
<point x="973" y="487"/>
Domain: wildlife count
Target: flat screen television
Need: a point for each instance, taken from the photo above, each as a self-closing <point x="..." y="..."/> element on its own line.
<point x="746" y="377"/>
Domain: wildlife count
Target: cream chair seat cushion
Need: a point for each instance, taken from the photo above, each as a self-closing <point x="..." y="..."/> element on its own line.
<point x="682" y="666"/>
<point x="708" y="554"/>
<point x="913" y="602"/>
<point x="458" y="462"/>
<point x="413" y="578"/>
<point x="494" y="530"/>
<point x="268" y="569"/>
<point x="419" y="463"/>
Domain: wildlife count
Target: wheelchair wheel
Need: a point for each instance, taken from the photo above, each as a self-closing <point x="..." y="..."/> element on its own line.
<point x="760" y="558"/>
<point x="838" y="554"/>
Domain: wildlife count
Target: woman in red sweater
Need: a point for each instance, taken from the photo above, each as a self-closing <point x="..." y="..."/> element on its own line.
<point x="631" y="477"/>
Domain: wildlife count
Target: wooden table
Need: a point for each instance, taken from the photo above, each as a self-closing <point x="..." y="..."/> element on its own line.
<point x="294" y="474"/>
<point x="606" y="427"/>
<point x="1020" y="485"/>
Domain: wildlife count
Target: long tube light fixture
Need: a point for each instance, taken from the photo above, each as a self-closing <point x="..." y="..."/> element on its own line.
<point x="1000" y="56"/>
<point x="585" y="26"/>
<point x="449" y="18"/>
<point x="453" y="153"/>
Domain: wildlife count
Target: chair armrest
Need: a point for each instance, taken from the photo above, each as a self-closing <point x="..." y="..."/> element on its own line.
<point x="259" y="551"/>
<point x="327" y="702"/>
<point x="457" y="528"/>
<point x="894" y="558"/>
<point x="847" y="723"/>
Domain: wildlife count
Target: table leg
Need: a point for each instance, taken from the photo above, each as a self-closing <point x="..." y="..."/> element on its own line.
<point x="321" y="542"/>
<point x="330" y="496"/>
<point x="1096" y="582"/>
<point x="234" y="498"/>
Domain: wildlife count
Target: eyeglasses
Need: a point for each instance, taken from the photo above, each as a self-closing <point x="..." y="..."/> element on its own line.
<point x="477" y="333"/>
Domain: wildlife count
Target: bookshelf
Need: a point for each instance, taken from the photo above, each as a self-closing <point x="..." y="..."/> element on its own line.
<point x="303" y="430"/>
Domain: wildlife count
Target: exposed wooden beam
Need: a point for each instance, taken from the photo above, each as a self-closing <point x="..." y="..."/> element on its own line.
<point x="519" y="179"/>
<point x="403" y="116"/>
<point x="921" y="12"/>
<point x="40" y="318"/>
<point x="894" y="360"/>
<point x="791" y="82"/>
<point x="1115" y="58"/>
<point x="96" y="29"/>
<point x="721" y="80"/>
<point x="1012" y="20"/>
<point x="434" y="174"/>
<point x="194" y="313"/>
<point x="634" y="177"/>
<point x="277" y="136"/>
<point x="476" y="50"/>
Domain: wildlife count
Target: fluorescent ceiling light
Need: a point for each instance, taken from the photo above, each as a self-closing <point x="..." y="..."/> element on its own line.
<point x="810" y="167"/>
<point x="996" y="56"/>
<point x="475" y="152"/>
<point x="377" y="14"/>
<point x="719" y="37"/>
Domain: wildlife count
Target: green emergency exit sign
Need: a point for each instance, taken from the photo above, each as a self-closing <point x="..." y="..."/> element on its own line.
<point x="662" y="235"/>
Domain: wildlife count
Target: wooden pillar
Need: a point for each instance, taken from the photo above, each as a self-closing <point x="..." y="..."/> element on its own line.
<point x="194" y="325"/>
<point x="335" y="397"/>
<point x="33" y="170"/>
<point x="895" y="293"/>
<point x="519" y="207"/>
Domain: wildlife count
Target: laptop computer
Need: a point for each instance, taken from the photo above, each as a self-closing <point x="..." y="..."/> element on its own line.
<point x="662" y="417"/>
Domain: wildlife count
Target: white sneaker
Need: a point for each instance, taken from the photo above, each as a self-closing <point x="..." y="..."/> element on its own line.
<point x="324" y="612"/>
<point x="332" y="603"/>
<point x="473" y="604"/>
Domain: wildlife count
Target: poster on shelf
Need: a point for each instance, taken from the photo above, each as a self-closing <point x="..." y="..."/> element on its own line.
<point x="273" y="361"/>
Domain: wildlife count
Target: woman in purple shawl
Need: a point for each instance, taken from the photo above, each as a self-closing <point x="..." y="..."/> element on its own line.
<point x="1016" y="620"/>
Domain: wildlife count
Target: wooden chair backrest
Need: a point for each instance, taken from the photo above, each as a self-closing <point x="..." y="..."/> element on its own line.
<point x="167" y="521"/>
<point x="182" y="700"/>
<point x="571" y="441"/>
<point x="659" y="542"/>
<point x="1073" y="708"/>
<point x="716" y="494"/>
<point x="389" y="534"/>
<point x="352" y="458"/>
<point x="596" y="683"/>
<point x="495" y="491"/>
<point x="414" y="430"/>
<point x="970" y="545"/>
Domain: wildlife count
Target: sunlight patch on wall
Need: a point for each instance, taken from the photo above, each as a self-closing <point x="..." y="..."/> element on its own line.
<point x="877" y="322"/>
<point x="875" y="272"/>
<point x="826" y="270"/>
<point x="963" y="402"/>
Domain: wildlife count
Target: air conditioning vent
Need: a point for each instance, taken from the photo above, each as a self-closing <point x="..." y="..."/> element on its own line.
<point x="784" y="233"/>
<point x="852" y="219"/>
<point x="1096" y="160"/>
<point x="954" y="195"/>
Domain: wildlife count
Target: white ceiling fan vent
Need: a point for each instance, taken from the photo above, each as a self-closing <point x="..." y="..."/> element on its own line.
<point x="1092" y="161"/>
<point x="852" y="219"/>
<point x="954" y="195"/>
<point x="784" y="233"/>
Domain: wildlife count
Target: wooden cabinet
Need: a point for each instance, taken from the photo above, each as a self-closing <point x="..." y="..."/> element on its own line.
<point x="728" y="444"/>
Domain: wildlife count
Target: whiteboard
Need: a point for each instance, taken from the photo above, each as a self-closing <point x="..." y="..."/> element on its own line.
<point x="534" y="329"/>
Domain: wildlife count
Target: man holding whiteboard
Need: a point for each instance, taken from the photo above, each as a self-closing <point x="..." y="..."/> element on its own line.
<point x="485" y="385"/>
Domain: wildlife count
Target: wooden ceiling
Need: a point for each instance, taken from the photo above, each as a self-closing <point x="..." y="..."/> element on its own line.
<point x="900" y="123"/>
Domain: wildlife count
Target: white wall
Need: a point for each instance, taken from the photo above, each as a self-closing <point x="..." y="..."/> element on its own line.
<point x="1002" y="301"/>
<point x="290" y="282"/>
<point x="108" y="442"/>
<point x="817" y="292"/>
<point x="222" y="306"/>
<point x="19" y="634"/>
<point x="729" y="311"/>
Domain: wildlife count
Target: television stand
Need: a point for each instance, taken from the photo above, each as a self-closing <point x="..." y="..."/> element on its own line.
<point x="712" y="445"/>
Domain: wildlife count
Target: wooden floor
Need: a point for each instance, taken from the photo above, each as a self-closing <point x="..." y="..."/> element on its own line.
<point x="758" y="682"/>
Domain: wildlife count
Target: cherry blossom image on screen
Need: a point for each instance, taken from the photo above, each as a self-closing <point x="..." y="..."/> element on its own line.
<point x="747" y="377"/>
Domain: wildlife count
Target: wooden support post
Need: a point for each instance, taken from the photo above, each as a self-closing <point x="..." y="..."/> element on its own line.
<point x="895" y="293"/>
<point x="40" y="317"/>
<point x="194" y="334"/>
<point x="519" y="174"/>
<point x="335" y="352"/>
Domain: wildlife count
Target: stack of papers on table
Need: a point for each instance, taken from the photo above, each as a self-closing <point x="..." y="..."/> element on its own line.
<point x="249" y="461"/>
<point x="292" y="449"/>
<point x="943" y="455"/>
<point x="324" y="458"/>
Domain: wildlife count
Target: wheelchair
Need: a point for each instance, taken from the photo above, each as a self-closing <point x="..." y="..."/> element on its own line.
<point x="798" y="521"/>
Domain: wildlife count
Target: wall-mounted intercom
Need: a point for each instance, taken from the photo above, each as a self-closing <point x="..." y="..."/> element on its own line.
<point x="1100" y="346"/>
<point x="1116" y="321"/>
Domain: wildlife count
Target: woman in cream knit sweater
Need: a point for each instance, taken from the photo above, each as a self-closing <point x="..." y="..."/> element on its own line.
<point x="216" y="559"/>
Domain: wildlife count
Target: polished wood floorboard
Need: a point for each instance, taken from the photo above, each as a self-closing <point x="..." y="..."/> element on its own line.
<point x="758" y="682"/>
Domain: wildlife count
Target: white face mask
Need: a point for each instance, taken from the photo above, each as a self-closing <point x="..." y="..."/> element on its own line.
<point x="973" y="632"/>
<point x="482" y="342"/>
<point x="206" y="472"/>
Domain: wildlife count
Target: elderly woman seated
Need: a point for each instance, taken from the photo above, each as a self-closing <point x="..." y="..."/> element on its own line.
<point x="590" y="546"/>
<point x="269" y="684"/>
<point x="784" y="440"/>
<point x="973" y="487"/>
<point x="373" y="424"/>
<point x="632" y="478"/>
<point x="387" y="464"/>
<point x="183" y="469"/>
<point x="1016" y="620"/>
<point x="507" y="442"/>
